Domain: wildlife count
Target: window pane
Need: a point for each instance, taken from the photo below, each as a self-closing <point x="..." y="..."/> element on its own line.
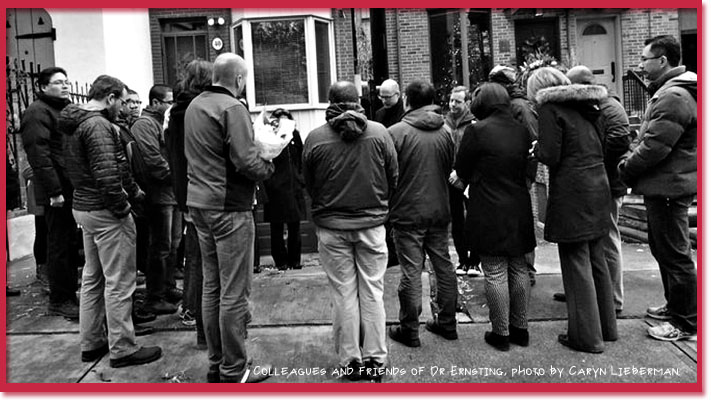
<point x="239" y="41"/>
<point x="201" y="47"/>
<point x="279" y="62"/>
<point x="170" y="63"/>
<point x="323" y="61"/>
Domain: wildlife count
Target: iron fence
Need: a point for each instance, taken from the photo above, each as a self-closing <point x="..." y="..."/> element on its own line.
<point x="636" y="94"/>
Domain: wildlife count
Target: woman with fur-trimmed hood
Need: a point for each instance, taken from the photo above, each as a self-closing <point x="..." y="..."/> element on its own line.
<point x="572" y="147"/>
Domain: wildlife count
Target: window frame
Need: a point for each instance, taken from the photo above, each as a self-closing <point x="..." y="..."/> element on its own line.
<point x="245" y="24"/>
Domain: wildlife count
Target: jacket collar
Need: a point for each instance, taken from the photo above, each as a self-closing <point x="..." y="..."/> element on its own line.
<point x="54" y="102"/>
<point x="672" y="73"/>
<point x="218" y="89"/>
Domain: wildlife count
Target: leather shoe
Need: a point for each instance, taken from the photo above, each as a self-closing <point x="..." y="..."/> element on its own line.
<point x="437" y="329"/>
<point x="160" y="307"/>
<point x="142" y="330"/>
<point x="499" y="342"/>
<point x="565" y="341"/>
<point x="559" y="297"/>
<point x="396" y="334"/>
<point x="144" y="355"/>
<point x="96" y="354"/>
<point x="142" y="316"/>
<point x="518" y="336"/>
<point x="174" y="295"/>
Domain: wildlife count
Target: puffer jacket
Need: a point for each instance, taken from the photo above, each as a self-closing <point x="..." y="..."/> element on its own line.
<point x="570" y="144"/>
<point x="350" y="176"/>
<point x="662" y="162"/>
<point x="43" y="146"/>
<point x="96" y="163"/>
<point x="425" y="155"/>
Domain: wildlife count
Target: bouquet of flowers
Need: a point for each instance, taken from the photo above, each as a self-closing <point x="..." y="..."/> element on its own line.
<point x="272" y="136"/>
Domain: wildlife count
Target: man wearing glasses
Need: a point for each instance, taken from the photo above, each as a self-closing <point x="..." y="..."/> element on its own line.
<point x="43" y="144"/>
<point x="393" y="107"/>
<point x="662" y="167"/>
<point x="164" y="222"/>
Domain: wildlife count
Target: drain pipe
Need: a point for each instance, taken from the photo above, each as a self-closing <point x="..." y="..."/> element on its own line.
<point x="397" y="37"/>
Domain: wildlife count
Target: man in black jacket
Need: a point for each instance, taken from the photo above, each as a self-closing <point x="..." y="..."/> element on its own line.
<point x="43" y="145"/>
<point x="419" y="213"/>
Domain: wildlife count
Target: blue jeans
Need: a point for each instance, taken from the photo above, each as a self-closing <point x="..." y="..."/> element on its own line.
<point x="668" y="222"/>
<point x="412" y="245"/>
<point x="108" y="282"/>
<point x="227" y="247"/>
<point x="355" y="263"/>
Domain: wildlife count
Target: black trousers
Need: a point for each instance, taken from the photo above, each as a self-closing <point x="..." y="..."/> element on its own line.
<point x="63" y="254"/>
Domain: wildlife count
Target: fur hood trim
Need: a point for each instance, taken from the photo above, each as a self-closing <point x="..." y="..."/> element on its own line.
<point x="576" y="92"/>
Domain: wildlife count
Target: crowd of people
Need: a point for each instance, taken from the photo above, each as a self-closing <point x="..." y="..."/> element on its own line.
<point x="170" y="190"/>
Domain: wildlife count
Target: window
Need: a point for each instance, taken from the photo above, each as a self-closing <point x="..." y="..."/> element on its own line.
<point x="290" y="59"/>
<point x="183" y="41"/>
<point x="594" y="29"/>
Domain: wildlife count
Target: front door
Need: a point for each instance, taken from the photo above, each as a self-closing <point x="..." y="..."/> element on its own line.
<point x="597" y="50"/>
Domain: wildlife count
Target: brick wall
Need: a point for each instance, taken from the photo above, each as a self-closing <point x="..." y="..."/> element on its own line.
<point x="157" y="14"/>
<point x="343" y="32"/>
<point x="503" y="38"/>
<point x="413" y="28"/>
<point x="640" y="25"/>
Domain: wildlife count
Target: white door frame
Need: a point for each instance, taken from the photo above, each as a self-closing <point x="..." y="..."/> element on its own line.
<point x="618" y="44"/>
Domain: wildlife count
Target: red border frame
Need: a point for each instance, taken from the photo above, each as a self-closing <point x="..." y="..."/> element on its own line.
<point x="452" y="388"/>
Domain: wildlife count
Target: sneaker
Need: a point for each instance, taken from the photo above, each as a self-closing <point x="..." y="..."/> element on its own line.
<point x="144" y="355"/>
<point x="661" y="313"/>
<point x="669" y="333"/>
<point x="67" y="309"/>
<point x="160" y="307"/>
<point x="475" y="271"/>
<point x="96" y="354"/>
<point x="437" y="329"/>
<point x="187" y="318"/>
<point x="396" y="333"/>
<point x="461" y="269"/>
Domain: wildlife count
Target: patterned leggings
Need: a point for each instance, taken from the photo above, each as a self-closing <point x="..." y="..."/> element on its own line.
<point x="507" y="292"/>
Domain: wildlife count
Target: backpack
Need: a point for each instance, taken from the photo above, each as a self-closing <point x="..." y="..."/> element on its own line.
<point x="136" y="163"/>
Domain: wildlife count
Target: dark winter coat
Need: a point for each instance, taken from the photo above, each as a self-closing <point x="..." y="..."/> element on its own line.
<point x="43" y="145"/>
<point x="223" y="157"/>
<point x="525" y="114"/>
<point x="350" y="175"/>
<point x="148" y="131"/>
<point x="458" y="125"/>
<point x="96" y="163"/>
<point x="663" y="160"/>
<point x="570" y="144"/>
<point x="425" y="155"/>
<point x="175" y="146"/>
<point x="390" y="116"/>
<point x="285" y="189"/>
<point x="615" y="127"/>
<point x="492" y="160"/>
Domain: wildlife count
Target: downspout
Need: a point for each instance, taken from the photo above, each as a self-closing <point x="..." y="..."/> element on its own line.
<point x="397" y="43"/>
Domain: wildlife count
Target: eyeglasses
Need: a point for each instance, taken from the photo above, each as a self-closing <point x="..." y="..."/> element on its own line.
<point x="123" y="102"/>
<point x="165" y="102"/>
<point x="134" y="102"/>
<point x="651" y="58"/>
<point x="381" y="97"/>
<point x="60" y="82"/>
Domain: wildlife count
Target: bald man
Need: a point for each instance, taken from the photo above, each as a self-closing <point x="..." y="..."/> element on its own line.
<point x="615" y="127"/>
<point x="223" y="166"/>
<point x="393" y="107"/>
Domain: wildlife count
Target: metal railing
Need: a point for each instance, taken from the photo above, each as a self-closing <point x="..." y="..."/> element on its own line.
<point x="635" y="94"/>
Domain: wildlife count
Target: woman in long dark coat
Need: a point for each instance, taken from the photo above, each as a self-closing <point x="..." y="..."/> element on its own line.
<point x="576" y="218"/>
<point x="285" y="201"/>
<point x="492" y="160"/>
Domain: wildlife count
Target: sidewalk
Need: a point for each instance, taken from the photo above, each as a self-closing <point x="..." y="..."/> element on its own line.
<point x="291" y="330"/>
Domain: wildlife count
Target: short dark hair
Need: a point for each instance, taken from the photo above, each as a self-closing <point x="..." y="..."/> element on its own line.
<point x="343" y="92"/>
<point x="467" y="93"/>
<point x="158" y="92"/>
<point x="105" y="85"/>
<point x="666" y="45"/>
<point x="420" y="94"/>
<point x="46" y="74"/>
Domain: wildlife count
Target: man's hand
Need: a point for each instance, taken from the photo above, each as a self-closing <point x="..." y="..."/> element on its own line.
<point x="455" y="181"/>
<point x="56" y="201"/>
